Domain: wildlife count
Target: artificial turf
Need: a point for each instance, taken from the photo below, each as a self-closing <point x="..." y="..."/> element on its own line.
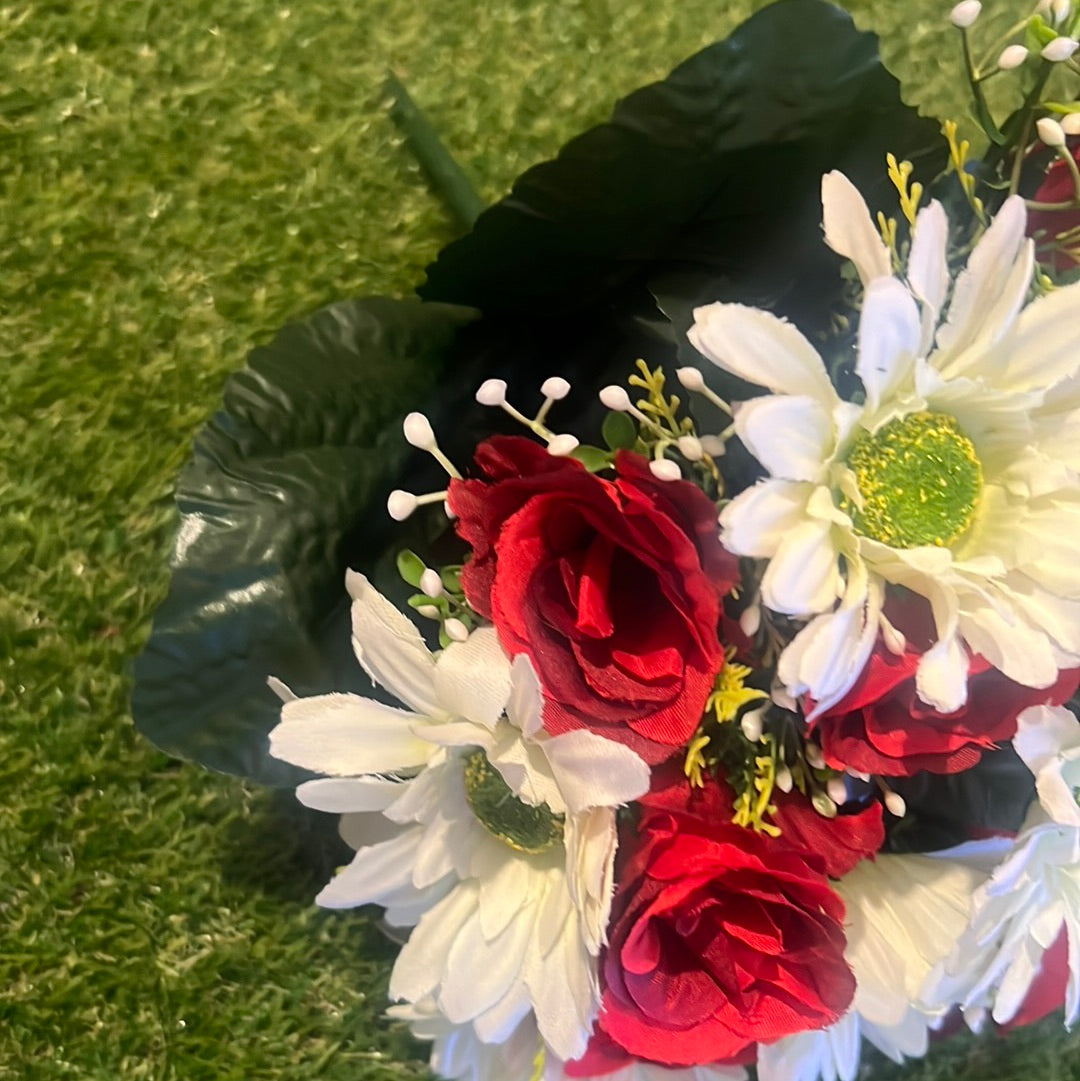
<point x="177" y="180"/>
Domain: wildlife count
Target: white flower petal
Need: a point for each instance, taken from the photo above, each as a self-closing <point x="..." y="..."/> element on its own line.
<point x="849" y="229"/>
<point x="525" y="708"/>
<point x="591" y="843"/>
<point x="761" y="348"/>
<point x="1042" y="349"/>
<point x="988" y="292"/>
<point x="756" y="521"/>
<point x="390" y="648"/>
<point x="472" y="678"/>
<point x="342" y="795"/>
<point x="889" y="334"/>
<point x="375" y="873"/>
<point x="592" y="771"/>
<point x="791" y="435"/>
<point x="1048" y="740"/>
<point x="941" y="678"/>
<point x="928" y="267"/>
<point x="803" y="576"/>
<point x="344" y="735"/>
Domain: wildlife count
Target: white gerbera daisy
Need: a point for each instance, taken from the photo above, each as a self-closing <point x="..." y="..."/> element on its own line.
<point x="1033" y="893"/>
<point x="955" y="478"/>
<point x="496" y="840"/>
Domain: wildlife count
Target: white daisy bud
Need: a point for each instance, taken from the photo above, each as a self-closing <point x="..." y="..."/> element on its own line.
<point x="428" y="611"/>
<point x="895" y="805"/>
<point x="750" y="620"/>
<point x="665" y="469"/>
<point x="418" y="433"/>
<point x="690" y="448"/>
<point x="492" y="392"/>
<point x="1070" y="124"/>
<point x="712" y="445"/>
<point x="616" y="399"/>
<point x="562" y="445"/>
<point x="837" y="789"/>
<point x="1050" y="131"/>
<point x="1060" y="49"/>
<point x="784" y="780"/>
<point x="456" y="631"/>
<point x="691" y="378"/>
<point x="401" y="504"/>
<point x="814" y="756"/>
<point x="556" y="387"/>
<point x="430" y="583"/>
<point x="752" y="724"/>
<point x="965" y="13"/>
<point x="1012" y="56"/>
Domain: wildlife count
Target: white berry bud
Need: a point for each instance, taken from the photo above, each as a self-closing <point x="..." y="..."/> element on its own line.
<point x="456" y="631"/>
<point x="556" y="387"/>
<point x="428" y="611"/>
<point x="837" y="790"/>
<point x="712" y="445"/>
<point x="665" y="469"/>
<point x="1051" y="132"/>
<point x="750" y="620"/>
<point x="1060" y="10"/>
<point x="562" y="445"/>
<point x="1070" y="124"/>
<point x="418" y="433"/>
<point x="430" y="583"/>
<point x="690" y="448"/>
<point x="401" y="504"/>
<point x="1012" y="56"/>
<point x="784" y="780"/>
<point x="965" y="13"/>
<point x="752" y="724"/>
<point x="616" y="399"/>
<point x="1060" y="49"/>
<point x="691" y="378"/>
<point x="814" y="756"/>
<point x="895" y="805"/>
<point x="492" y="392"/>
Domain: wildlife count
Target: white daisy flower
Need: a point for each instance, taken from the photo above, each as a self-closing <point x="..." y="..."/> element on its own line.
<point x="955" y="478"/>
<point x="494" y="839"/>
<point x="1033" y="893"/>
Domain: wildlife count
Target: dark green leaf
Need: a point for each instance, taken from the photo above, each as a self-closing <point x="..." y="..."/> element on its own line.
<point x="592" y="458"/>
<point x="619" y="431"/>
<point x="286" y="488"/>
<point x="411" y="567"/>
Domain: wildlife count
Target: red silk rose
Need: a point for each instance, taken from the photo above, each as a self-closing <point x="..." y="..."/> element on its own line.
<point x="719" y="937"/>
<point x="612" y="588"/>
<point x="881" y="726"/>
<point x="1057" y="187"/>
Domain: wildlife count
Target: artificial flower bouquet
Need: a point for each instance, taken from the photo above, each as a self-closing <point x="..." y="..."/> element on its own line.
<point x="713" y="625"/>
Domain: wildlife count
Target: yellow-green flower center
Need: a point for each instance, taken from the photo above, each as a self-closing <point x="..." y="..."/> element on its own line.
<point x="919" y="479"/>
<point x="503" y="815"/>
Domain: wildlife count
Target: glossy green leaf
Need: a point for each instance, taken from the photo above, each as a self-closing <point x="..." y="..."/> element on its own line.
<point x="619" y="431"/>
<point x="286" y="488"/>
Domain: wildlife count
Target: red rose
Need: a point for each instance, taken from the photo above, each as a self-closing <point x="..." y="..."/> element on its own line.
<point x="612" y="588"/>
<point x="881" y="726"/>
<point x="719" y="937"/>
<point x="1057" y="187"/>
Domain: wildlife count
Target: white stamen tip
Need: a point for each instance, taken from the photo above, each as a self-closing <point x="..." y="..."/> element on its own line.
<point x="895" y="805"/>
<point x="562" y="445"/>
<point x="428" y="611"/>
<point x="401" y="504"/>
<point x="555" y="388"/>
<point x="837" y="789"/>
<point x="1060" y="49"/>
<point x="456" y="631"/>
<point x="814" y="756"/>
<point x="965" y="13"/>
<point x="1051" y="132"/>
<point x="691" y="378"/>
<point x="492" y="392"/>
<point x="1071" y="124"/>
<point x="1012" y="56"/>
<point x="665" y="469"/>
<point x="616" y="399"/>
<point x="750" y="620"/>
<point x="690" y="448"/>
<point x="418" y="433"/>
<point x="712" y="445"/>
<point x="784" y="780"/>
<point x="752" y="724"/>
<point x="430" y="583"/>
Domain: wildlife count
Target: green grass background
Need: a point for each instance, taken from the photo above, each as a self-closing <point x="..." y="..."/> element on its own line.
<point x="177" y="180"/>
